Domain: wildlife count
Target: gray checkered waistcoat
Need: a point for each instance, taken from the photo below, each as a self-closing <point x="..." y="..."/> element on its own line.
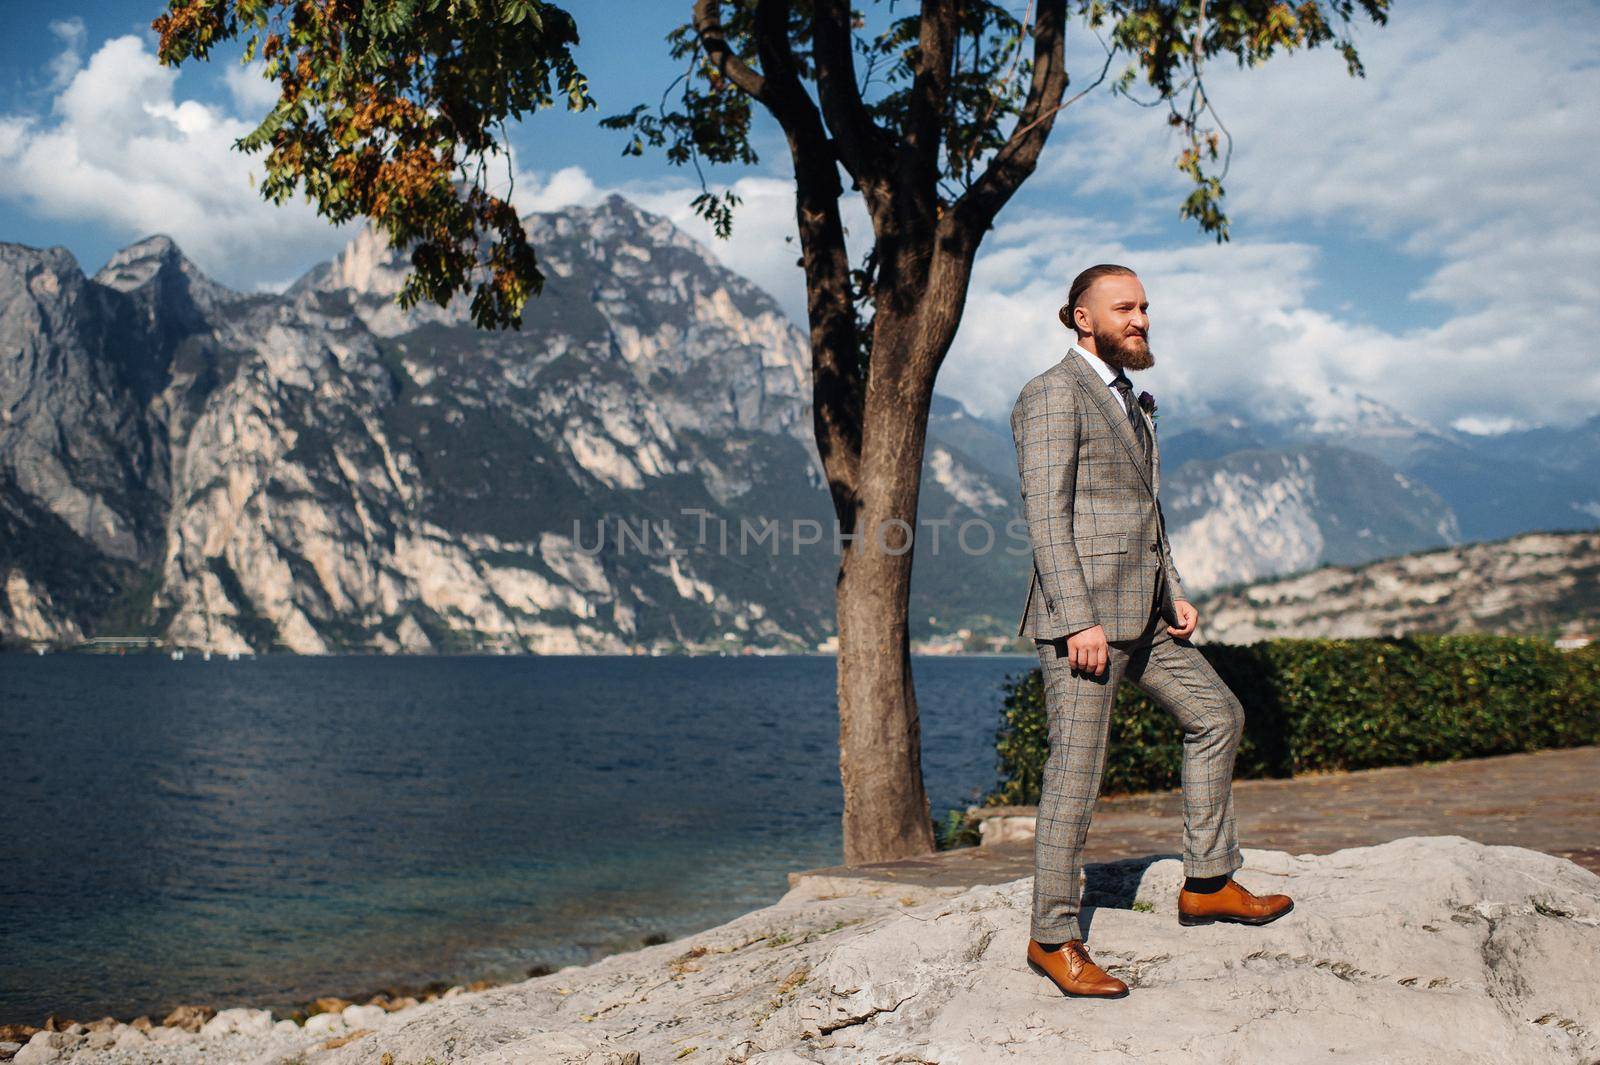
<point x="1090" y="502"/>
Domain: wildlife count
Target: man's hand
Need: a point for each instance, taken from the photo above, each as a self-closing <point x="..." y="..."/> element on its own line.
<point x="1087" y="650"/>
<point x="1188" y="618"/>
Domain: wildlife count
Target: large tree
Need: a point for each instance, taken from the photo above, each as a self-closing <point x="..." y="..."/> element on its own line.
<point x="390" y="109"/>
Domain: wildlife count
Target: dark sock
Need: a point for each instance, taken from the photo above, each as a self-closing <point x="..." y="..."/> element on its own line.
<point x="1205" y="885"/>
<point x="1048" y="947"/>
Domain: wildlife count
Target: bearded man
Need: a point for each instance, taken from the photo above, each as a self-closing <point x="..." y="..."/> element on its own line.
<point x="1105" y="605"/>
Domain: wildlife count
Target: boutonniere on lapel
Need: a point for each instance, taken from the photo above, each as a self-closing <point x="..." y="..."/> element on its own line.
<point x="1147" y="403"/>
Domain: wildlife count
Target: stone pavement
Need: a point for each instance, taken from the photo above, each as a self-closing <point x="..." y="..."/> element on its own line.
<point x="1545" y="800"/>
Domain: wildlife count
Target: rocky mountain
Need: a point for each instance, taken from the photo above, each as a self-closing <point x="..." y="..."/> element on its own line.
<point x="319" y="470"/>
<point x="1419" y="485"/>
<point x="1496" y="485"/>
<point x="1337" y="478"/>
<point x="1237" y="509"/>
<point x="1538" y="583"/>
<point x="1256" y="513"/>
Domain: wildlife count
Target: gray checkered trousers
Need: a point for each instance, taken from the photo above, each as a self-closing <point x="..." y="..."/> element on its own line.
<point x="1101" y="557"/>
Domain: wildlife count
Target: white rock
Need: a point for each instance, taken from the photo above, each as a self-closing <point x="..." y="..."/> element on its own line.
<point x="44" y="1046"/>
<point x="131" y="1039"/>
<point x="286" y="1027"/>
<point x="321" y="1023"/>
<point x="363" y="1016"/>
<point x="238" y="1019"/>
<point x="100" y="1039"/>
<point x="1415" y="952"/>
<point x="164" y="1034"/>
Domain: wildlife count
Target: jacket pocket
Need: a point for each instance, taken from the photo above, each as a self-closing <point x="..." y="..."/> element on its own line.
<point x="1106" y="544"/>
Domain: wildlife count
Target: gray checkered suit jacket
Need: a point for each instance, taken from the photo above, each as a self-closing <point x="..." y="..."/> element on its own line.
<point x="1090" y="500"/>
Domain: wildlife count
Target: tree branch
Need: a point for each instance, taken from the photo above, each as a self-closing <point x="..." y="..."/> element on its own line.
<point x="714" y="40"/>
<point x="930" y="93"/>
<point x="1018" y="157"/>
<point x="862" y="144"/>
<point x="837" y="396"/>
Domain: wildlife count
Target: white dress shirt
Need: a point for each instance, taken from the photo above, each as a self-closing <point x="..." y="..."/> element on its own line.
<point x="1107" y="374"/>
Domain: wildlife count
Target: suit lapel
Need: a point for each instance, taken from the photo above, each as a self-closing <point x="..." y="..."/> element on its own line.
<point x="1155" y="452"/>
<point x="1111" y="408"/>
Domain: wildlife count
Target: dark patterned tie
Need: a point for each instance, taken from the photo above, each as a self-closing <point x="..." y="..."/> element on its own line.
<point x="1124" y="388"/>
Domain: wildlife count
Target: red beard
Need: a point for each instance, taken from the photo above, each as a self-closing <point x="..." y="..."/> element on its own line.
<point x="1124" y="352"/>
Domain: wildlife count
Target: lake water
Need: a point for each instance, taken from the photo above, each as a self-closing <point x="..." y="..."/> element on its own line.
<point x="264" y="831"/>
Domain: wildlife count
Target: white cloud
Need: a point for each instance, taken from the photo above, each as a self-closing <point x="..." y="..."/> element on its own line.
<point x="763" y="246"/>
<point x="1479" y="425"/>
<point x="1235" y="321"/>
<point x="253" y="95"/>
<point x="66" y="62"/>
<point x="121" y="148"/>
<point x="1260" y="339"/>
<point x="570" y="186"/>
<point x="12" y="133"/>
<point x="1416" y="156"/>
<point x="1471" y="143"/>
<point x="275" y="287"/>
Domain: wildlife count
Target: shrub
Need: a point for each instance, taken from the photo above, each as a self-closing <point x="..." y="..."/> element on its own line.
<point x="1335" y="704"/>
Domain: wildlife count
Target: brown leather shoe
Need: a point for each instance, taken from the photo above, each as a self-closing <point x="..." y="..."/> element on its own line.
<point x="1232" y="902"/>
<point x="1071" y="969"/>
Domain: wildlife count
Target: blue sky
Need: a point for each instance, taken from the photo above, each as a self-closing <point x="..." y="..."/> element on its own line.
<point x="1430" y="235"/>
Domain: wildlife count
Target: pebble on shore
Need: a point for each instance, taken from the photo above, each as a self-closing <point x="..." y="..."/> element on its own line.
<point x="59" y="1040"/>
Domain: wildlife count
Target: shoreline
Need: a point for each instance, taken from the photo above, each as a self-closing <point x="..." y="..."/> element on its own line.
<point x="838" y="972"/>
<point x="1545" y="794"/>
<point x="347" y="1017"/>
<point x="391" y="998"/>
<point x="192" y="1016"/>
<point x="27" y="652"/>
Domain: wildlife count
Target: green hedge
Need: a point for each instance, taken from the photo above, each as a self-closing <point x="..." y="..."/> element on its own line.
<point x="1336" y="704"/>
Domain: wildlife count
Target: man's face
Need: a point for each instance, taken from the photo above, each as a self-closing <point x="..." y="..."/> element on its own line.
<point x="1116" y="311"/>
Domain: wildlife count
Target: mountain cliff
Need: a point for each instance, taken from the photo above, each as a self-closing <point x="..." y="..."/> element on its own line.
<point x="634" y="469"/>
<point x="1537" y="583"/>
<point x="320" y="470"/>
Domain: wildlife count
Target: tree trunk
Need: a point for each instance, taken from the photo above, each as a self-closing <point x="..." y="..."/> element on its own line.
<point x="886" y="813"/>
<point x="886" y="809"/>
